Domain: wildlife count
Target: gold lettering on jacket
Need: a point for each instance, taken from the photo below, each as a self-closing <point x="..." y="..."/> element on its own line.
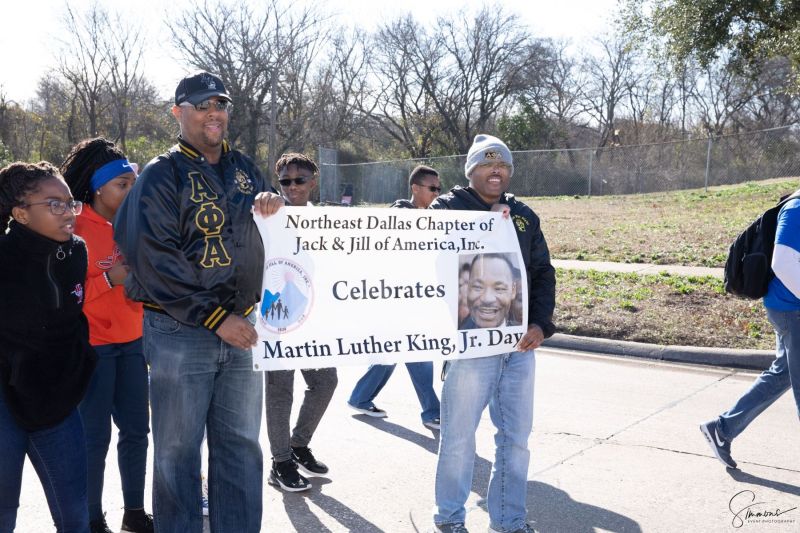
<point x="210" y="219"/>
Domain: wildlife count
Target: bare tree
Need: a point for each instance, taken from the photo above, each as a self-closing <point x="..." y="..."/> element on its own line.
<point x="720" y="96"/>
<point x="608" y="77"/>
<point x="405" y="62"/>
<point x="485" y="60"/>
<point x="264" y="55"/>
<point x="340" y="91"/>
<point x="123" y="50"/>
<point x="83" y="62"/>
<point x="554" y="88"/>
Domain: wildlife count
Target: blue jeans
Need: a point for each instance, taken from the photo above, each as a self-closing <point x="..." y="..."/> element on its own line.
<point x="199" y="382"/>
<point x="505" y="383"/>
<point x="118" y="389"/>
<point x="784" y="373"/>
<point x="59" y="456"/>
<point x="371" y="383"/>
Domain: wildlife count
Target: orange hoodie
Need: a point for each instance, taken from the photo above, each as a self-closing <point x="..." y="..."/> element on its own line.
<point x="113" y="318"/>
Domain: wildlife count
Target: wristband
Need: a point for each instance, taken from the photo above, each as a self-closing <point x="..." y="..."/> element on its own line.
<point x="108" y="280"/>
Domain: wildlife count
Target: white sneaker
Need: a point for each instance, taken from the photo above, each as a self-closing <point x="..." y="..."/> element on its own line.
<point x="204" y="494"/>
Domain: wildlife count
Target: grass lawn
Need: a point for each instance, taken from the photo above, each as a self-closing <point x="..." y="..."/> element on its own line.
<point x="659" y="309"/>
<point x="683" y="227"/>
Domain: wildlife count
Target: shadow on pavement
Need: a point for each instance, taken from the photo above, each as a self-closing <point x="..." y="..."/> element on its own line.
<point x="551" y="509"/>
<point x="482" y="469"/>
<point x="303" y="519"/>
<point x="430" y="444"/>
<point x="744" y="477"/>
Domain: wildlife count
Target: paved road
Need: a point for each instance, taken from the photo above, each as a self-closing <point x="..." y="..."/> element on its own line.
<point x="615" y="448"/>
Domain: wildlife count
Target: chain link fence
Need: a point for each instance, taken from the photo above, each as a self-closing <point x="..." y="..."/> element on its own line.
<point x="688" y="164"/>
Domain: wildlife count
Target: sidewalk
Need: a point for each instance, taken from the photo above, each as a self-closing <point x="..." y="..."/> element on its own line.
<point x="638" y="268"/>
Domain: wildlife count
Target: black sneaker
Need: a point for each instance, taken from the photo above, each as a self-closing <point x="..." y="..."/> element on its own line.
<point x="284" y="475"/>
<point x="450" y="528"/>
<point x="136" y="521"/>
<point x="100" y="526"/>
<point x="720" y="446"/>
<point x="370" y="411"/>
<point x="307" y="462"/>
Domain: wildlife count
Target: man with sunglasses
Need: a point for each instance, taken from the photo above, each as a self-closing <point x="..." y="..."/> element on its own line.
<point x="504" y="382"/>
<point x="425" y="187"/>
<point x="196" y="260"/>
<point x="297" y="176"/>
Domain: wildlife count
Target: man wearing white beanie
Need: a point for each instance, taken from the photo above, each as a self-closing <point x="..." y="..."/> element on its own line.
<point x="504" y="382"/>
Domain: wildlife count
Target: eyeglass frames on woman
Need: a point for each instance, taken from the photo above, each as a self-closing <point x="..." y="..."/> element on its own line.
<point x="59" y="207"/>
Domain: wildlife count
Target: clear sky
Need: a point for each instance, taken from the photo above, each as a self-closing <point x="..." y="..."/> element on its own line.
<point x="30" y="39"/>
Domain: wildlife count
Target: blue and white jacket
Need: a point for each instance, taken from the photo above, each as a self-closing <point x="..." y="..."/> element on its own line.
<point x="784" y="289"/>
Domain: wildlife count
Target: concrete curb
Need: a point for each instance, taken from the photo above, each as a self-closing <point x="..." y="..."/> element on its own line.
<point x="747" y="359"/>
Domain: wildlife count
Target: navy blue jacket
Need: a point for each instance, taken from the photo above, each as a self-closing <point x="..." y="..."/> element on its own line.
<point x="189" y="237"/>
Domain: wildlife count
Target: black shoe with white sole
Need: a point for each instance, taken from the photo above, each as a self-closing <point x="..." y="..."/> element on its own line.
<point x="370" y="411"/>
<point x="284" y="474"/>
<point x="307" y="462"/>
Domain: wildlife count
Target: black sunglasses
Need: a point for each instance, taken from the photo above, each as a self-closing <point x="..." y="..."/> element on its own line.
<point x="205" y="105"/>
<point x="297" y="181"/>
<point x="432" y="188"/>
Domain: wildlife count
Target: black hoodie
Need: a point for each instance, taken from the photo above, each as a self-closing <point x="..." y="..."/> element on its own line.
<point x="46" y="361"/>
<point x="541" y="274"/>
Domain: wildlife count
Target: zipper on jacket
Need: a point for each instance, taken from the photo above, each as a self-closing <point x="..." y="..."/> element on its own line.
<point x="60" y="255"/>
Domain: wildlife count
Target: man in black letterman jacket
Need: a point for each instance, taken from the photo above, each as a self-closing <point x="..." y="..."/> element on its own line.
<point x="196" y="261"/>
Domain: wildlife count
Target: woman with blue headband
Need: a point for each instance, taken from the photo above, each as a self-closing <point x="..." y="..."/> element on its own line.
<point x="100" y="176"/>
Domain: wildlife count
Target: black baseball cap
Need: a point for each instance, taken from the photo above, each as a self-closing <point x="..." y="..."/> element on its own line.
<point x="198" y="87"/>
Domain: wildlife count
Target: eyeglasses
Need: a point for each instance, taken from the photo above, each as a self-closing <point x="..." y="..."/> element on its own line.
<point x="297" y="181"/>
<point x="59" y="207"/>
<point x="205" y="105"/>
<point x="432" y="188"/>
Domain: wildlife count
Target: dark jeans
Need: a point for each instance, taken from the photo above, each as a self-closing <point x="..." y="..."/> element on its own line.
<point x="200" y="383"/>
<point x="118" y="390"/>
<point x="279" y="393"/>
<point x="59" y="456"/>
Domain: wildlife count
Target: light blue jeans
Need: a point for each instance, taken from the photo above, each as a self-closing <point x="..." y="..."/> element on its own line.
<point x="783" y="374"/>
<point x="197" y="381"/>
<point x="504" y="383"/>
<point x="375" y="378"/>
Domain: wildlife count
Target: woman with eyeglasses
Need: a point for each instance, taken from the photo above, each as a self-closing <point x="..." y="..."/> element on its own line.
<point x="46" y="361"/>
<point x="100" y="176"/>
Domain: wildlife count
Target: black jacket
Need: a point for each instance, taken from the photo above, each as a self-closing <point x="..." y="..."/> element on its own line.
<point x="403" y="203"/>
<point x="46" y="361"/>
<point x="189" y="237"/>
<point x="541" y="274"/>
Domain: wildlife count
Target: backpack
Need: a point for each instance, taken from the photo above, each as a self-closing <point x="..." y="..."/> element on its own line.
<point x="748" y="269"/>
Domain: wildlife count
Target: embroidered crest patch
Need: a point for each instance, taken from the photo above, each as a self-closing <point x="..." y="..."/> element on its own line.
<point x="243" y="182"/>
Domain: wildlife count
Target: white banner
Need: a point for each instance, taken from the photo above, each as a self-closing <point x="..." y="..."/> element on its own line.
<point x="352" y="286"/>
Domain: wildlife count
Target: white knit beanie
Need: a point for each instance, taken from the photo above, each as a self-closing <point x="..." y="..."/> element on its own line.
<point x="487" y="149"/>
